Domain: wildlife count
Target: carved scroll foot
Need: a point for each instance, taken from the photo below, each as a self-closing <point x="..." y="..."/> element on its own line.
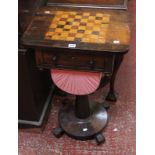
<point x="111" y="96"/>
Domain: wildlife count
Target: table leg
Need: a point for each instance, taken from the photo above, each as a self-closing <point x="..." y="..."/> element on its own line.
<point x="111" y="95"/>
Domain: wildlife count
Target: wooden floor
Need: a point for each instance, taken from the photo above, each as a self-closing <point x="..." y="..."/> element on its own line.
<point x="120" y="132"/>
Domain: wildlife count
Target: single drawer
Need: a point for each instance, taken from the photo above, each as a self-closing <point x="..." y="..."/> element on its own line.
<point x="76" y="61"/>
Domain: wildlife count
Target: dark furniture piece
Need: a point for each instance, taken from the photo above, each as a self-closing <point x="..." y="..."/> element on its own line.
<point x="26" y="10"/>
<point x="105" y="4"/>
<point x="35" y="88"/>
<point x="34" y="94"/>
<point x="86" y="39"/>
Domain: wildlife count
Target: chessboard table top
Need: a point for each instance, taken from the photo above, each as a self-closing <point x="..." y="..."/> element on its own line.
<point x="84" y="29"/>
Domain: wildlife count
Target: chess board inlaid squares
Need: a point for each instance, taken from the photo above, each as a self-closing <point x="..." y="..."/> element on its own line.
<point x="85" y="27"/>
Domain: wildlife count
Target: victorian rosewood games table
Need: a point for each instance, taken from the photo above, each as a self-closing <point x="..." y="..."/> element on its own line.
<point x="85" y="39"/>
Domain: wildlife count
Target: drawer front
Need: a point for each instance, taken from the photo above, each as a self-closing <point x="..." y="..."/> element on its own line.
<point x="77" y="61"/>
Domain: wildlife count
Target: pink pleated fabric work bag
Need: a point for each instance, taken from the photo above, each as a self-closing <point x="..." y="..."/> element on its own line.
<point x="76" y="82"/>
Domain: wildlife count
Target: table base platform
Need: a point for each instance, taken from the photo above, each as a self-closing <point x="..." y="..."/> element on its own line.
<point x="85" y="128"/>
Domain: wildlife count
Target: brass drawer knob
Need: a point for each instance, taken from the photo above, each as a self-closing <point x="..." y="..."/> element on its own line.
<point x="91" y="62"/>
<point x="54" y="58"/>
<point x="73" y="58"/>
